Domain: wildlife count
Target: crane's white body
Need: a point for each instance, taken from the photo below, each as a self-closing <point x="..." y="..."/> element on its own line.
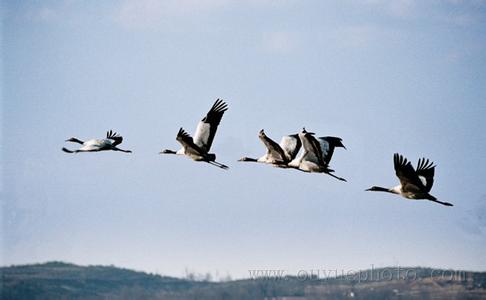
<point x="111" y="142"/>
<point x="96" y="144"/>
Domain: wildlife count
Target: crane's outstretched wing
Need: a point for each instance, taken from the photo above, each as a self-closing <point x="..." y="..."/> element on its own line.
<point x="328" y="144"/>
<point x="425" y="172"/>
<point x="273" y="149"/>
<point x="206" y="128"/>
<point x="291" y="145"/>
<point x="312" y="148"/>
<point x="117" y="139"/>
<point x="407" y="175"/>
<point x="188" y="143"/>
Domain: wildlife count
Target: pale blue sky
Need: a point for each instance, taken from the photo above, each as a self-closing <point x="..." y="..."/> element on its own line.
<point x="387" y="76"/>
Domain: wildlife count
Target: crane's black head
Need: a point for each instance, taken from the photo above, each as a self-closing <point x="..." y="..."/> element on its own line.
<point x="305" y="131"/>
<point x="339" y="143"/>
<point x="262" y="132"/>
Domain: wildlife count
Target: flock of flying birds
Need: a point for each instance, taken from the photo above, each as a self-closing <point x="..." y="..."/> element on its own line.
<point x="303" y="151"/>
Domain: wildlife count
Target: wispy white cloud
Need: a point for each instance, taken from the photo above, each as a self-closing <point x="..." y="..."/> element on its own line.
<point x="150" y="13"/>
<point x="397" y="8"/>
<point x="44" y="12"/>
<point x="282" y="42"/>
<point x="474" y="222"/>
<point x="455" y="12"/>
<point x="358" y="36"/>
<point x="402" y="8"/>
<point x="41" y="14"/>
<point x="354" y="36"/>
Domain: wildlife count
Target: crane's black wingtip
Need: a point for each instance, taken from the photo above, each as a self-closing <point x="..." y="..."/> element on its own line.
<point x="219" y="106"/>
<point x="182" y="132"/>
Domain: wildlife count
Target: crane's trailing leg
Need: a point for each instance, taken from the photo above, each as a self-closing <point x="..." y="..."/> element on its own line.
<point x="338" y="178"/>
<point x="219" y="165"/>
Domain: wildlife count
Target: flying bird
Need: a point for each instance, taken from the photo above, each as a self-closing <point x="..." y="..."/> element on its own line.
<point x="111" y="142"/>
<point x="414" y="184"/>
<point x="316" y="154"/>
<point x="278" y="155"/>
<point x="197" y="148"/>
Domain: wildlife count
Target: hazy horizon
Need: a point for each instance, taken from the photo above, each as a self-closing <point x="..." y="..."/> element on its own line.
<point x="400" y="76"/>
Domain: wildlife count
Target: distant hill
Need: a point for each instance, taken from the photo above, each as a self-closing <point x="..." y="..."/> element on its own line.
<point x="58" y="280"/>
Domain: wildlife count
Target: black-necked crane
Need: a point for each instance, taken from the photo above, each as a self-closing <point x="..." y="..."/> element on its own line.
<point x="414" y="184"/>
<point x="111" y="142"/>
<point x="317" y="154"/>
<point x="197" y="148"/>
<point x="278" y="155"/>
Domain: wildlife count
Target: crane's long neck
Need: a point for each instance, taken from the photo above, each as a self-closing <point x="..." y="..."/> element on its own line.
<point x="249" y="159"/>
<point x="167" y="151"/>
<point x="75" y="140"/>
<point x="382" y="189"/>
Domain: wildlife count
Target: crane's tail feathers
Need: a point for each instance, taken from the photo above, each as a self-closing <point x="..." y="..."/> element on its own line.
<point x="219" y="165"/>
<point x="67" y="150"/>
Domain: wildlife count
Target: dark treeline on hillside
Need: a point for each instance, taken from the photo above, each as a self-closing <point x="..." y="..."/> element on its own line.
<point x="57" y="280"/>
